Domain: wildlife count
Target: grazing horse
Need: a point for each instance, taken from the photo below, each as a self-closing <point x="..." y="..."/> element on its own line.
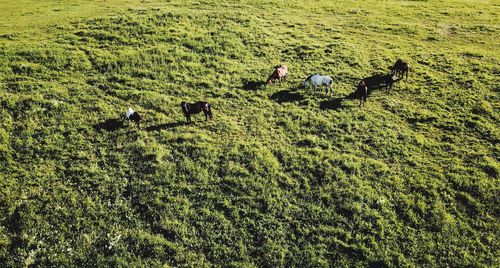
<point x="362" y="92"/>
<point x="400" y="68"/>
<point x="133" y="116"/>
<point x="279" y="74"/>
<point x="195" y="108"/>
<point x="319" y="80"/>
<point x="379" y="80"/>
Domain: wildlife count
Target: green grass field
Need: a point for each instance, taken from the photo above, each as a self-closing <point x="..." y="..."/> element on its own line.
<point x="283" y="176"/>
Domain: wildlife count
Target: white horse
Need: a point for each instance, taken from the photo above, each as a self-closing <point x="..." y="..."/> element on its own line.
<point x="319" y="80"/>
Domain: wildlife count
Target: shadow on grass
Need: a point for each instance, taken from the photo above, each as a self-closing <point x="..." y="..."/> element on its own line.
<point x="253" y="85"/>
<point x="287" y="95"/>
<point x="110" y="125"/>
<point x="337" y="103"/>
<point x="331" y="104"/>
<point x="352" y="96"/>
<point x="166" y="126"/>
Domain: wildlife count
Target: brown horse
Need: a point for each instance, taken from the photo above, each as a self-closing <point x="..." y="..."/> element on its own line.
<point x="400" y="68"/>
<point x="279" y="74"/>
<point x="196" y="108"/>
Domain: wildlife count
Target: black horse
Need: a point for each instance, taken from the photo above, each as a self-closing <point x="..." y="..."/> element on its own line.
<point x="376" y="81"/>
<point x="400" y="68"/>
<point x="362" y="92"/>
<point x="134" y="116"/>
<point x="195" y="108"/>
<point x="380" y="80"/>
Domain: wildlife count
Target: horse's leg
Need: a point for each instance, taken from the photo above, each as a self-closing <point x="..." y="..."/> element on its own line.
<point x="205" y="111"/>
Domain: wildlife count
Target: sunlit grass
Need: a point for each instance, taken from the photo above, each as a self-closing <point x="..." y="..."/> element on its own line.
<point x="283" y="176"/>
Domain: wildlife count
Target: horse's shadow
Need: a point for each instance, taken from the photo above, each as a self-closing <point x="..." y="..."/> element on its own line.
<point x="383" y="86"/>
<point x="287" y="95"/>
<point x="377" y="87"/>
<point x="253" y="85"/>
<point x="331" y="104"/>
<point x="165" y="126"/>
<point x="336" y="104"/>
<point x="110" y="125"/>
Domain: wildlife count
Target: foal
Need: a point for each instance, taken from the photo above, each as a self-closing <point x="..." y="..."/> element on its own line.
<point x="195" y="108"/>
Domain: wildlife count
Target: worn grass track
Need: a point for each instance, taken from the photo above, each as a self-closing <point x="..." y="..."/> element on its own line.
<point x="284" y="176"/>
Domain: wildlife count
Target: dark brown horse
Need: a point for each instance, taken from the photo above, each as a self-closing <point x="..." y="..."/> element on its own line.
<point x="400" y="68"/>
<point x="380" y="80"/>
<point x="196" y="108"/>
<point x="374" y="81"/>
<point x="362" y="92"/>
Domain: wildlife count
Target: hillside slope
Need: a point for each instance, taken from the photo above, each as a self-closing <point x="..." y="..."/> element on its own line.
<point x="283" y="176"/>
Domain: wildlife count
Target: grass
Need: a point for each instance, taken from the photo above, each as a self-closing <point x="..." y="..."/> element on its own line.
<point x="284" y="176"/>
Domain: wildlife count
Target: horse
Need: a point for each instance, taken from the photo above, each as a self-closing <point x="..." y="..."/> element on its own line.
<point x="279" y="74"/>
<point x="400" y="68"/>
<point x="374" y="81"/>
<point x="380" y="80"/>
<point x="362" y="92"/>
<point x="195" y="108"/>
<point x="133" y="116"/>
<point x="319" y="80"/>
